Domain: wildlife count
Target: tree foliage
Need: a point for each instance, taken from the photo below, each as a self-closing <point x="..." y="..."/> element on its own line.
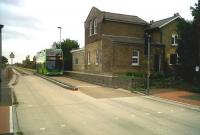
<point x="67" y="45"/>
<point x="188" y="49"/>
<point x="4" y="61"/>
<point x="27" y="63"/>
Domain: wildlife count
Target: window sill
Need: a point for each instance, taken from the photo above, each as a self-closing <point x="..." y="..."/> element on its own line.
<point x="135" y="65"/>
<point x="174" y="44"/>
<point x="92" y="35"/>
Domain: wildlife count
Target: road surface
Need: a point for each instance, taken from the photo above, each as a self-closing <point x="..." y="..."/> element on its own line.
<point x="47" y="109"/>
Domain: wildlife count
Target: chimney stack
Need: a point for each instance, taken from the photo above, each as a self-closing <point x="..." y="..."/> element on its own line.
<point x="152" y="21"/>
<point x="176" y="14"/>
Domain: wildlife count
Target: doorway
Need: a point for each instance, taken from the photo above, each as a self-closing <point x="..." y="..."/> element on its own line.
<point x="157" y="63"/>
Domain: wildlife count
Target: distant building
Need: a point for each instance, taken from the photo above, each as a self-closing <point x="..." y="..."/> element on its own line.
<point x="114" y="43"/>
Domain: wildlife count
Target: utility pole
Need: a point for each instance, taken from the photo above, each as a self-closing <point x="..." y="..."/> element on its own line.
<point x="148" y="66"/>
<point x="1" y="26"/>
<point x="147" y="49"/>
<point x="60" y="28"/>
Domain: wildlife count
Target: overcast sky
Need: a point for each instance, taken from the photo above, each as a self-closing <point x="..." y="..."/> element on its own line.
<point x="31" y="25"/>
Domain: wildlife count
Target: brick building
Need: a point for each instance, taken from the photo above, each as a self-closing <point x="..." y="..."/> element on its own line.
<point x="114" y="43"/>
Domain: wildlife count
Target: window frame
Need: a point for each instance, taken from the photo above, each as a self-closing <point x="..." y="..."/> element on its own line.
<point x="135" y="57"/>
<point x="177" y="57"/>
<point x="90" y="28"/>
<point x="174" y="39"/>
<point x="88" y="58"/>
<point x="96" y="57"/>
<point x="76" y="61"/>
<point x="95" y="26"/>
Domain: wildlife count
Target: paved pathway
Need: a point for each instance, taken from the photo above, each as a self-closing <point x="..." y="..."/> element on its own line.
<point x="4" y="119"/>
<point x="5" y="103"/>
<point x="178" y="95"/>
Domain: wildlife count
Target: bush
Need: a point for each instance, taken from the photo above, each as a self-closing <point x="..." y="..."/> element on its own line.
<point x="135" y="74"/>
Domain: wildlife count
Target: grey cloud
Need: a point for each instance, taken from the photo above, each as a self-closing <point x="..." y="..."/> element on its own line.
<point x="8" y="17"/>
<point x="12" y="2"/>
<point x="11" y="19"/>
<point x="11" y="34"/>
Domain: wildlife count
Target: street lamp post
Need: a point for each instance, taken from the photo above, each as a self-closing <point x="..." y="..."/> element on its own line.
<point x="60" y="28"/>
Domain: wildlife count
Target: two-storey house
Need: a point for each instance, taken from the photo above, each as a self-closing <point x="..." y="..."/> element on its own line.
<point x="114" y="43"/>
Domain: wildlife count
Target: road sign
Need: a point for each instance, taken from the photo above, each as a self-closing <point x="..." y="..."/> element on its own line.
<point x="12" y="55"/>
<point x="197" y="68"/>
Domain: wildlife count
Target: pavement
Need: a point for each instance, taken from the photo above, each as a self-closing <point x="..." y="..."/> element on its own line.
<point x="4" y="119"/>
<point x="5" y="104"/>
<point x="47" y="109"/>
<point x="178" y="95"/>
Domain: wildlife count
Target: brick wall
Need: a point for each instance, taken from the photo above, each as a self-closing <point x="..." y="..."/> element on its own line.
<point x="78" y="60"/>
<point x="122" y="29"/>
<point x="91" y="48"/>
<point x="167" y="35"/>
<point x="107" y="80"/>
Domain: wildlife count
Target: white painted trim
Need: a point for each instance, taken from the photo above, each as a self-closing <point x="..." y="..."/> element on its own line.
<point x="11" y="120"/>
<point x="135" y="57"/>
<point x="169" y="21"/>
<point x="77" y="50"/>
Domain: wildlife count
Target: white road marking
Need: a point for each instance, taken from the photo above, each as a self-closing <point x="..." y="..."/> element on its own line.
<point x="11" y="120"/>
<point x="116" y="118"/>
<point x="147" y="113"/>
<point x="30" y="105"/>
<point x="42" y="128"/>
<point x="62" y="125"/>
<point x="132" y="115"/>
<point x="159" y="112"/>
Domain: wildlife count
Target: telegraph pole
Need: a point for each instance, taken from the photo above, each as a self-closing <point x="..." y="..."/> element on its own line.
<point x="147" y="49"/>
<point x="148" y="66"/>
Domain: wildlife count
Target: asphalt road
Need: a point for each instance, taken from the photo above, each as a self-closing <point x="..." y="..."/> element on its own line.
<point x="47" y="109"/>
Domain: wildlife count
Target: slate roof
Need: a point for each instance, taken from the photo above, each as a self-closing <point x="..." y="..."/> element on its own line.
<point x="116" y="17"/>
<point x="163" y="22"/>
<point x="124" y="18"/>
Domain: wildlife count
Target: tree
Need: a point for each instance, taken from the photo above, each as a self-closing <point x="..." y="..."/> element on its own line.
<point x="4" y="60"/>
<point x="196" y="14"/>
<point x="188" y="49"/>
<point x="67" y="45"/>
